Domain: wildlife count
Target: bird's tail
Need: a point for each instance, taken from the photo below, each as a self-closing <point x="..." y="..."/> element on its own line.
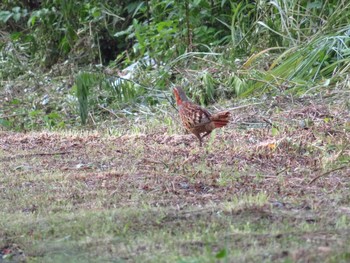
<point x="220" y="119"/>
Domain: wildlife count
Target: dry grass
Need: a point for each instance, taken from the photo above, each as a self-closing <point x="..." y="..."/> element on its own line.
<point x="274" y="186"/>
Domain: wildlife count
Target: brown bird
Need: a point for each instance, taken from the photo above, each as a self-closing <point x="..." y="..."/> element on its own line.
<point x="196" y="119"/>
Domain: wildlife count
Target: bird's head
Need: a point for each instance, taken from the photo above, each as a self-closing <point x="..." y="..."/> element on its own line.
<point x="180" y="95"/>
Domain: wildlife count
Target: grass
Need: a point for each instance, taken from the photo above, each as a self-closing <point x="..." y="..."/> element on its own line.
<point x="152" y="195"/>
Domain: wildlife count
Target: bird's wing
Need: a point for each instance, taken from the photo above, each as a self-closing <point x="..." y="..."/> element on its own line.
<point x="193" y="115"/>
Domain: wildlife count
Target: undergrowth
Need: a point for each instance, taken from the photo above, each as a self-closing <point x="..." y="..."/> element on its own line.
<point x="244" y="49"/>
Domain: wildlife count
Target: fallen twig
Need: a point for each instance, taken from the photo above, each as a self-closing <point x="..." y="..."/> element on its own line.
<point x="268" y="122"/>
<point x="108" y="110"/>
<point x="327" y="173"/>
<point x="243" y="106"/>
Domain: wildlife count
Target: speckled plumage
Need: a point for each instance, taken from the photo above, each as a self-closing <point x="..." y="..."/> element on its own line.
<point x="196" y="119"/>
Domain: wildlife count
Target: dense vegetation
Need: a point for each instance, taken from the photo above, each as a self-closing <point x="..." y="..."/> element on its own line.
<point x="52" y="52"/>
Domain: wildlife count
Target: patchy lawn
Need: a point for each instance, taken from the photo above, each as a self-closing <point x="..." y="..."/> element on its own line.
<point x="271" y="187"/>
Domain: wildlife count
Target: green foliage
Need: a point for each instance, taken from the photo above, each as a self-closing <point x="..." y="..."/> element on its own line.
<point x="24" y="119"/>
<point x="84" y="82"/>
<point x="56" y="29"/>
<point x="97" y="94"/>
<point x="5" y="123"/>
<point x="322" y="61"/>
<point x="16" y="14"/>
<point x="166" y="29"/>
<point x="221" y="254"/>
<point x="237" y="84"/>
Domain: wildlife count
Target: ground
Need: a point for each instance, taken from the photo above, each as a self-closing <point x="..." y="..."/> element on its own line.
<point x="273" y="186"/>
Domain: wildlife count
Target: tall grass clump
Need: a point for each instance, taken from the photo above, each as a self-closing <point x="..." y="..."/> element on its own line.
<point x="315" y="48"/>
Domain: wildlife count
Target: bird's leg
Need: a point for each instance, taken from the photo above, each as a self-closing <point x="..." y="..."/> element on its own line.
<point x="206" y="134"/>
<point x="199" y="138"/>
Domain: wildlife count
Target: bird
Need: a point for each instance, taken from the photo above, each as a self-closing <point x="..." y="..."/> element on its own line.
<point x="196" y="119"/>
